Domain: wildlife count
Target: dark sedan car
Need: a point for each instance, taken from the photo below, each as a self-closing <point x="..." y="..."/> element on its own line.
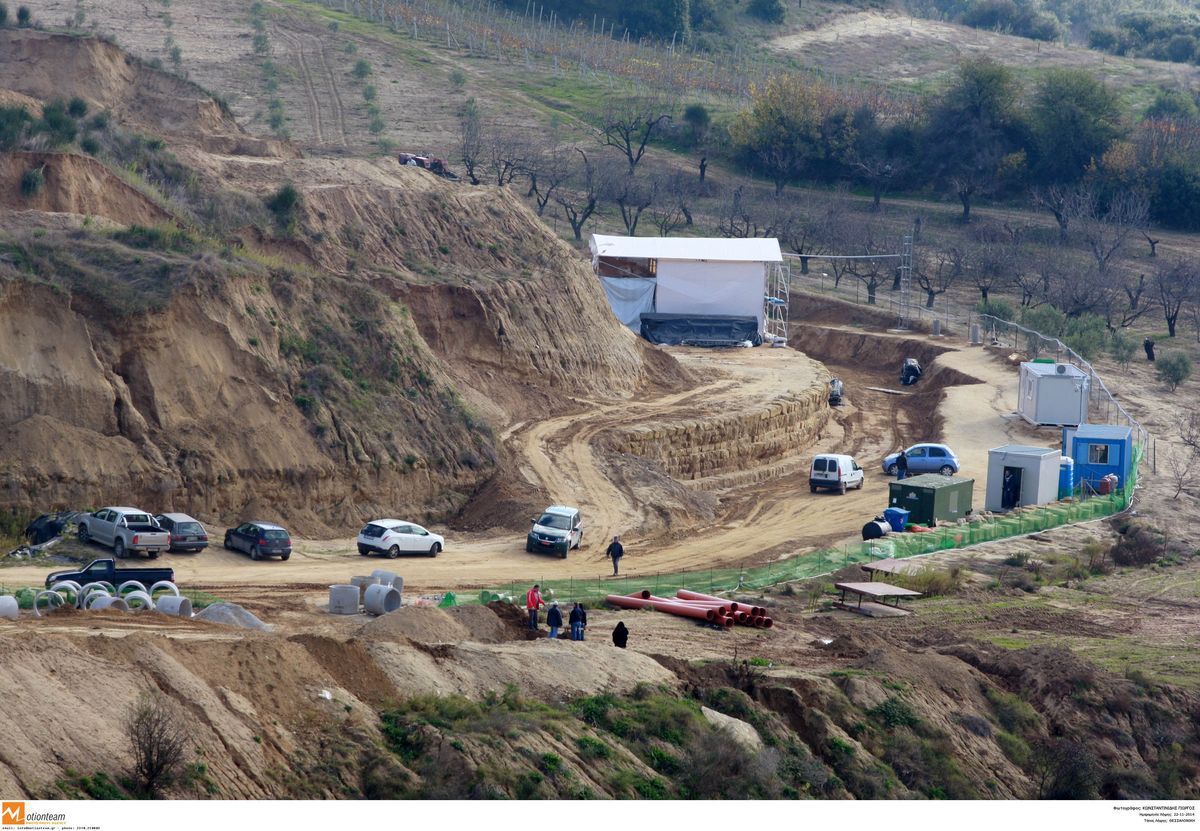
<point x="186" y="533"/>
<point x="260" y="539"/>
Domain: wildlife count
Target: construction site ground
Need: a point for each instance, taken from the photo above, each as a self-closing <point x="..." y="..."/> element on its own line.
<point x="967" y="399"/>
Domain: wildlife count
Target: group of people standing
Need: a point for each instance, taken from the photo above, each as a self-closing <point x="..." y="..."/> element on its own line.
<point x="554" y="619"/>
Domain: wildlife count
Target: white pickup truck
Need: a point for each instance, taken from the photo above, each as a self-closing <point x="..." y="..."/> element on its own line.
<point x="125" y="530"/>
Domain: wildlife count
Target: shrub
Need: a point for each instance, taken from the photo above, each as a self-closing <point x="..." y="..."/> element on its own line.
<point x="89" y="145"/>
<point x="1013" y="747"/>
<point x="590" y="748"/>
<point x="974" y="724"/>
<point x="284" y="204"/>
<point x="56" y="123"/>
<point x="24" y="16"/>
<point x="1173" y="368"/>
<point x="1122" y="348"/>
<point x="770" y="11"/>
<point x="458" y="79"/>
<point x="157" y="742"/>
<point x="13" y="123"/>
<point x="77" y="107"/>
<point x="716" y="768"/>
<point x="361" y="69"/>
<point x="894" y="712"/>
<point x="369" y="92"/>
<point x="261" y="45"/>
<point x="1013" y="712"/>
<point x="1139" y="545"/>
<point x="32" y="181"/>
<point x="996" y="308"/>
<point x="3" y="15"/>
<point x="376" y="126"/>
<point x="99" y="121"/>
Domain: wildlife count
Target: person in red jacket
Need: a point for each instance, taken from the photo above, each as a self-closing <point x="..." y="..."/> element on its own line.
<point x="533" y="602"/>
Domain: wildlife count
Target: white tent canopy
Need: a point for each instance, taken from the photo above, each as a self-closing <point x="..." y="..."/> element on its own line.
<point x="692" y="276"/>
<point x="696" y="249"/>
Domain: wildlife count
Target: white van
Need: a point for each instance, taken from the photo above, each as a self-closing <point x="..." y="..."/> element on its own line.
<point x="834" y="471"/>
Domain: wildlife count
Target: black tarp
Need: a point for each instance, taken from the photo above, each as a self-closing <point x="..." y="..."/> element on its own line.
<point x="700" y="330"/>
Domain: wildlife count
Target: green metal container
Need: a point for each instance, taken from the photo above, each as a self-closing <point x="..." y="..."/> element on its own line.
<point x="932" y="497"/>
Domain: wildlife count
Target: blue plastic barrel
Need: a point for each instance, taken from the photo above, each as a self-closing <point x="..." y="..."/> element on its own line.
<point x="1066" y="477"/>
<point x="896" y="517"/>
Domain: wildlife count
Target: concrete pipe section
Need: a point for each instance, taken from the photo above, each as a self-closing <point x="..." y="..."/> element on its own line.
<point x="139" y="600"/>
<point x="67" y="586"/>
<point x="386" y="578"/>
<point x="91" y="588"/>
<point x="363" y="582"/>
<point x="53" y="601"/>
<point x="343" y="600"/>
<point x="175" y="606"/>
<point x="133" y="585"/>
<point x="10" y="609"/>
<point x="164" y="584"/>
<point x="116" y="604"/>
<point x="91" y="598"/>
<point x="379" y="600"/>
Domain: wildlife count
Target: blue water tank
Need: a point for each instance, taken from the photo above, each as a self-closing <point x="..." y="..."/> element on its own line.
<point x="1066" y="477"/>
<point x="896" y="517"/>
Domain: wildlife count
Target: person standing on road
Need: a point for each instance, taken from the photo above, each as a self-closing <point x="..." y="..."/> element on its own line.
<point x="616" y="551"/>
<point x="902" y="465"/>
<point x="554" y="619"/>
<point x="533" y="602"/>
<point x="620" y="635"/>
<point x="577" y="623"/>
<point x="1148" y="345"/>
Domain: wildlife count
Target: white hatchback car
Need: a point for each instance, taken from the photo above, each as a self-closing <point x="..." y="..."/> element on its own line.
<point x="393" y="537"/>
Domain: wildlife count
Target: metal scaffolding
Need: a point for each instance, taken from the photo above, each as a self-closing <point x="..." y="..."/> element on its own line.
<point x="775" y="312"/>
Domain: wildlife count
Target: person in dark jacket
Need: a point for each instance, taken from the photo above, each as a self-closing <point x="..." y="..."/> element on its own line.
<point x="616" y="551"/>
<point x="577" y="619"/>
<point x="1148" y="345"/>
<point x="620" y="635"/>
<point x="902" y="465"/>
<point x="554" y="619"/>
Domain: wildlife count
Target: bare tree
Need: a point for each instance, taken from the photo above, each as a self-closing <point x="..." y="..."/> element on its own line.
<point x="672" y="210"/>
<point x="1181" y="467"/>
<point x="1176" y="285"/>
<point x="507" y="153"/>
<point x="471" y="143"/>
<point x="1064" y="202"/>
<point x="629" y="125"/>
<point x="1106" y="230"/>
<point x="547" y="168"/>
<point x="580" y="194"/>
<point x="937" y="272"/>
<point x="157" y="741"/>
<point x="989" y="265"/>
<point x="872" y="272"/>
<point x="633" y="195"/>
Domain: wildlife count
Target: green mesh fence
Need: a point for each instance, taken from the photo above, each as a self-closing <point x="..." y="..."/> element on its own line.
<point x="824" y="561"/>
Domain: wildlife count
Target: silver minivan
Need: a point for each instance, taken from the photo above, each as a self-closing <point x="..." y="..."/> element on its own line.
<point x="835" y="471"/>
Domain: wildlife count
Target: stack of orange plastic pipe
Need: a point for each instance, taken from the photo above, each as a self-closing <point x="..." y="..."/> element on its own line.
<point x="714" y="610"/>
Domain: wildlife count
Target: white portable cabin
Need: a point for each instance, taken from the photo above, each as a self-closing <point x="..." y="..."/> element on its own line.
<point x="685" y="275"/>
<point x="1053" y="394"/>
<point x="1032" y="476"/>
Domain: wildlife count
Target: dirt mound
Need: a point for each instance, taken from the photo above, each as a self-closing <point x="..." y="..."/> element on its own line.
<point x="9" y="98"/>
<point x="47" y="66"/>
<point x="419" y="624"/>
<point x="349" y="663"/>
<point x="75" y="185"/>
<point x="231" y="614"/>
<point x="485" y="625"/>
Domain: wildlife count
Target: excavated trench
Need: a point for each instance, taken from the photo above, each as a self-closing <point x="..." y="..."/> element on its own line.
<point x="876" y="421"/>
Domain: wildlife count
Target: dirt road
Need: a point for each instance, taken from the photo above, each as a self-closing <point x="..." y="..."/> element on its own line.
<point x="757" y="522"/>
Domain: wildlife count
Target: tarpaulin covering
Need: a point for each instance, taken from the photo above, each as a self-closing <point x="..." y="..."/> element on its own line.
<point x="629" y="297"/>
<point x="711" y="288"/>
<point x="700" y="330"/>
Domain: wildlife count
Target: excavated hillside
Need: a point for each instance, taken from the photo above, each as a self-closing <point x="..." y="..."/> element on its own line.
<point x="346" y="360"/>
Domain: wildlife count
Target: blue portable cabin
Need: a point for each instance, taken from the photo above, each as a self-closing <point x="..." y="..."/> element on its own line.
<point x="1098" y="450"/>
